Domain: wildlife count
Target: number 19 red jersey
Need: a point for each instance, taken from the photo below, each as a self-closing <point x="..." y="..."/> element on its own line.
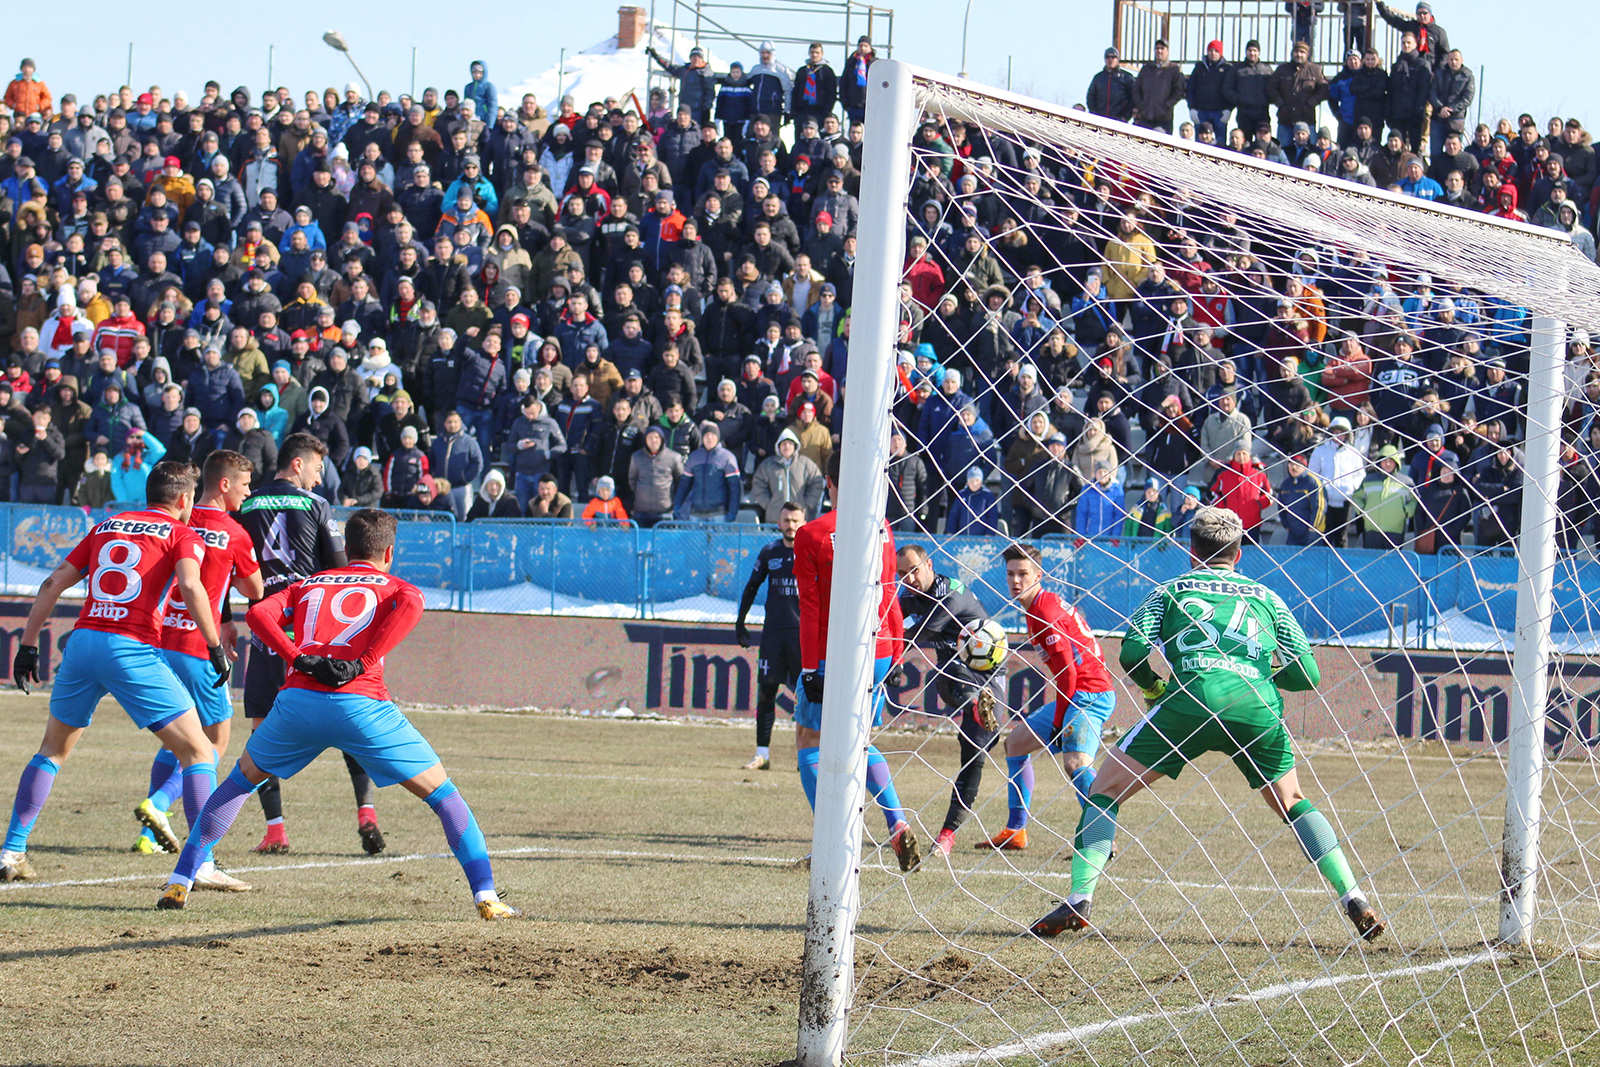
<point x="129" y="559"/>
<point x="228" y="552"/>
<point x="354" y="612"/>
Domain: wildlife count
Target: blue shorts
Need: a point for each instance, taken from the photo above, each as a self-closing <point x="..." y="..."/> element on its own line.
<point x="303" y="723"/>
<point x="809" y="715"/>
<point x="134" y="673"/>
<point x="1081" y="727"/>
<point x="199" y="678"/>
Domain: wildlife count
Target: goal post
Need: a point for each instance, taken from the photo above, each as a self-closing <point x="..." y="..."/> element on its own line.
<point x="828" y="974"/>
<point x="972" y="929"/>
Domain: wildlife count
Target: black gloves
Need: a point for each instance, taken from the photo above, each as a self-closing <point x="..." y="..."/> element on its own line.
<point x="896" y="678"/>
<point x="331" y="672"/>
<point x="811" y="682"/>
<point x="25" y="666"/>
<point x="742" y="632"/>
<point x="220" y="664"/>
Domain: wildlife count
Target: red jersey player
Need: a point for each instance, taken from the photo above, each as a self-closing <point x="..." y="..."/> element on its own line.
<point x="1084" y="695"/>
<point x="813" y="573"/>
<point x="230" y="560"/>
<point x="344" y="621"/>
<point x="115" y="647"/>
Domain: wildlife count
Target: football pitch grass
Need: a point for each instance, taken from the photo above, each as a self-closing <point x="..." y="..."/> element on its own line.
<point x="665" y="912"/>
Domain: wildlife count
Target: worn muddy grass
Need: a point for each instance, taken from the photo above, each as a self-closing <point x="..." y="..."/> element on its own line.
<point x="664" y="918"/>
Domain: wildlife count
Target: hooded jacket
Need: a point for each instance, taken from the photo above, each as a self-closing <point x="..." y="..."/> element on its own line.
<point x="710" y="482"/>
<point x="778" y="481"/>
<point x="653" y="476"/>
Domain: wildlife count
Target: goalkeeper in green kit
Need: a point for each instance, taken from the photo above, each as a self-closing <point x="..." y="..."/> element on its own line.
<point x="1221" y="633"/>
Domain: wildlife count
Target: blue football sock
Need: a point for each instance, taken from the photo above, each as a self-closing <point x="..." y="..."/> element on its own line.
<point x="1019" y="790"/>
<point x="199" y="780"/>
<point x="32" y="791"/>
<point x="166" y="780"/>
<point x="1083" y="782"/>
<point x="807" y="758"/>
<point x="461" y="832"/>
<point x="220" y="810"/>
<point x="881" y="786"/>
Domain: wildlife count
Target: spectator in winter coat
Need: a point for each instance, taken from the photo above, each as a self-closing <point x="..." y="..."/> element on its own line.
<point x="1245" y="90"/>
<point x="653" y="475"/>
<point x="1410" y="86"/>
<point x="710" y="488"/>
<point x="1385" y="502"/>
<point x="38" y="459"/>
<point x="131" y="467"/>
<point x="974" y="510"/>
<point x="323" y="423"/>
<point x="1445" y="507"/>
<point x="255" y="444"/>
<point x="115" y="419"/>
<point x="1148" y="516"/>
<point x="494" y="501"/>
<point x="732" y="418"/>
<point x="548" y="501"/>
<point x="270" y="415"/>
<point x="1206" y="91"/>
<point x="1302" y="504"/>
<point x="532" y="443"/>
<point x="1296" y="88"/>
<point x="1157" y="91"/>
<point x="404" y="472"/>
<point x="363" y="483"/>
<point x="1243" y="488"/>
<point x="1111" y="91"/>
<point x="788" y="477"/>
<point x="697" y="82"/>
<point x="1100" y="506"/>
<point x="457" y="459"/>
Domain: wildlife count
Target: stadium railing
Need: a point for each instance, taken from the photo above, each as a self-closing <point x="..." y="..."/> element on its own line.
<point x="695" y="572"/>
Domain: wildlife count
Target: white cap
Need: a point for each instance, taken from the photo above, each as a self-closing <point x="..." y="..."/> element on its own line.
<point x="766" y="46"/>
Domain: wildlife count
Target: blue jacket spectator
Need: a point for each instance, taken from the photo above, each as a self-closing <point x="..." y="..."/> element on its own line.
<point x="942" y="409"/>
<point x="710" y="488"/>
<point x="1302" y="505"/>
<point x="114" y="419"/>
<point x="1100" y="511"/>
<point x="131" y="467"/>
<point x="974" y="509"/>
<point x="481" y="91"/>
<point x="215" y="390"/>
<point x="576" y="328"/>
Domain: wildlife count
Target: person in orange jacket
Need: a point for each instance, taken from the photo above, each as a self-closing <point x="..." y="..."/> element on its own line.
<point x="26" y="93"/>
<point x="604" y="507"/>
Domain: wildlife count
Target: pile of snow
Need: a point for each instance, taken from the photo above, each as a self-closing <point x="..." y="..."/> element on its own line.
<point x="605" y="70"/>
<point x="1455" y="630"/>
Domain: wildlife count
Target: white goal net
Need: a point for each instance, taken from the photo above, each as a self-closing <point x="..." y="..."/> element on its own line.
<point x="1101" y="331"/>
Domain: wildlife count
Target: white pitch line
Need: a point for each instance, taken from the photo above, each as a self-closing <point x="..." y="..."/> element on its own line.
<point x="1044" y="1043"/>
<point x="529" y="850"/>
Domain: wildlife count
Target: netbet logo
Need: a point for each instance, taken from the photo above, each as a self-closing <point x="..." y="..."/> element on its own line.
<point x="136" y="527"/>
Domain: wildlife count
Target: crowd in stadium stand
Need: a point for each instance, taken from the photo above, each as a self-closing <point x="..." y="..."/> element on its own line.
<point x="491" y="308"/>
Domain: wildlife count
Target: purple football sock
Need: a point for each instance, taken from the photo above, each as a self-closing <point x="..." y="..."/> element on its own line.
<point x="32" y="791"/>
<point x="222" y="807"/>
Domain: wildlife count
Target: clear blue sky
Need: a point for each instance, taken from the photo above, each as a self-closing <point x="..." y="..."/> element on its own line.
<point x="1052" y="57"/>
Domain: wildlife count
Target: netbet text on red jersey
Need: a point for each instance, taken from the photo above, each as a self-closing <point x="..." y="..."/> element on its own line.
<point x="354" y="612"/>
<point x="228" y="552"/>
<point x="1069" y="647"/>
<point x="128" y="560"/>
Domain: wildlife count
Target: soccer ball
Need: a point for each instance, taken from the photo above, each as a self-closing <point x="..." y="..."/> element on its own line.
<point x="985" y="648"/>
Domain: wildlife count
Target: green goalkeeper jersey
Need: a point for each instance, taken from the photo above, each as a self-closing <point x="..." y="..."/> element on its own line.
<point x="1220" y="632"/>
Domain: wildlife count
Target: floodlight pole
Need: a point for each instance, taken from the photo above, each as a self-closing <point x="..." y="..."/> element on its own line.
<point x="1530" y="663"/>
<point x="828" y="974"/>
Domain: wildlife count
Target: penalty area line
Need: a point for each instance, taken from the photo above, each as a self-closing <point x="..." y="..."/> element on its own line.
<point x="1043" y="1043"/>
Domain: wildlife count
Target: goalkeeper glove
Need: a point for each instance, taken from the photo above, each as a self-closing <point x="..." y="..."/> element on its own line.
<point x="811" y="682"/>
<point x="331" y="672"/>
<point x="25" y="667"/>
<point x="220" y="664"/>
<point x="896" y="678"/>
<point x="1155" y="692"/>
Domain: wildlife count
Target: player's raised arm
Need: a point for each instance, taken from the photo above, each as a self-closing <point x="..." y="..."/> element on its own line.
<point x="1299" y="671"/>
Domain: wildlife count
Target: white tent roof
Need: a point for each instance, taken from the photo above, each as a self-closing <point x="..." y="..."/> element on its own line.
<point x="605" y="70"/>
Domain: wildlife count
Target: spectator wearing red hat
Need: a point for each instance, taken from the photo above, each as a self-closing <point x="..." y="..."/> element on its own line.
<point x="142" y="119"/>
<point x="1206" y="91"/>
<point x="178" y="186"/>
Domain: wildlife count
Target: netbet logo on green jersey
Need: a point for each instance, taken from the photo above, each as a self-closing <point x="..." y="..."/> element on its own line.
<point x="1220" y="632"/>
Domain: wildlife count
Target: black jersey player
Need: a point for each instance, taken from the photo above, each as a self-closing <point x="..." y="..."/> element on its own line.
<point x="778" y="663"/>
<point x="296" y="535"/>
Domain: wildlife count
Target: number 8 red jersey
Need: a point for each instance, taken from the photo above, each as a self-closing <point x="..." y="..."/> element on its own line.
<point x="354" y="612"/>
<point x="128" y="560"/>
